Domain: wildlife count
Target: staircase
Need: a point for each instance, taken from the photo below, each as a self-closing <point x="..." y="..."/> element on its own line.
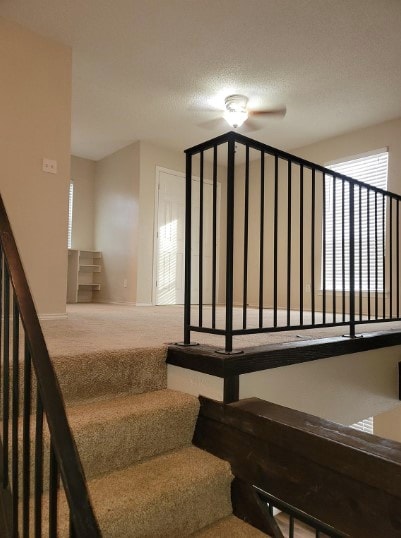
<point x="134" y="439"/>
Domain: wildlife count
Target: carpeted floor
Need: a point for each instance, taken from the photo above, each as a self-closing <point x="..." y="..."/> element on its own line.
<point x="98" y="327"/>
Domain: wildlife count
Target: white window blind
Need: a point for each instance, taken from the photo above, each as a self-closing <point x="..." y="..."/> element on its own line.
<point x="365" y="425"/>
<point x="70" y="203"/>
<point x="372" y="170"/>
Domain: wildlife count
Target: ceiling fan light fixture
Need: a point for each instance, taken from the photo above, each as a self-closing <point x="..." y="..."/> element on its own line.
<point x="236" y="112"/>
<point x="235" y="118"/>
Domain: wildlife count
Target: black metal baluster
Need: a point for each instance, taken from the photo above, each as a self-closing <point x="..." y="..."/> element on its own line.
<point x="188" y="241"/>
<point x="301" y="245"/>
<point x="246" y="231"/>
<point x="289" y="224"/>
<point x="376" y="262"/>
<point x="391" y="257"/>
<point x="15" y="415"/>
<point x="261" y="235"/>
<point x="360" y="253"/>
<point x="334" y="248"/>
<point x="313" y="245"/>
<point x="26" y="443"/>
<point x="38" y="466"/>
<point x="343" y="246"/>
<point x="324" y="249"/>
<point x="53" y="492"/>
<point x="351" y="261"/>
<point x="291" y="528"/>
<point x="6" y="374"/>
<point x="398" y="257"/>
<point x="368" y="247"/>
<point x="214" y="252"/>
<point x="384" y="252"/>
<point x="275" y="241"/>
<point x="230" y="244"/>
<point x="72" y="531"/>
<point x="201" y="242"/>
<point x="1" y="311"/>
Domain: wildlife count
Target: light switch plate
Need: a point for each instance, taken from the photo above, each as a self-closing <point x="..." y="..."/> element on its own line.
<point x="50" y="166"/>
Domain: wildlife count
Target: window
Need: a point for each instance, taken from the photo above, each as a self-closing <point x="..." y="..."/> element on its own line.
<point x="70" y="203"/>
<point x="365" y="425"/>
<point x="370" y="237"/>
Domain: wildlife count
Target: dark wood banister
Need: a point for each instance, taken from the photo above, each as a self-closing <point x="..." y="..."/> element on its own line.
<point x="346" y="479"/>
<point x="82" y="515"/>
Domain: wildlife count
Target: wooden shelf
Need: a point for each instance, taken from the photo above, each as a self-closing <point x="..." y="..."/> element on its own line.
<point x="93" y="287"/>
<point x="82" y="267"/>
<point x="89" y="268"/>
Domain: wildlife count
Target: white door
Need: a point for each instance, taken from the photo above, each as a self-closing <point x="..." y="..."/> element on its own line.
<point x="170" y="239"/>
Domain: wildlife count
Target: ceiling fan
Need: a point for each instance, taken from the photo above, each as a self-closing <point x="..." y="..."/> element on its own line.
<point x="237" y="113"/>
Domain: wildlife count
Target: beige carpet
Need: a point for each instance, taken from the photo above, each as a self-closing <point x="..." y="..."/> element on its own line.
<point x="98" y="327"/>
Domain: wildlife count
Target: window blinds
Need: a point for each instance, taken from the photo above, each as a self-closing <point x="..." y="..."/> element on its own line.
<point x="372" y="170"/>
<point x="70" y="203"/>
<point x="365" y="425"/>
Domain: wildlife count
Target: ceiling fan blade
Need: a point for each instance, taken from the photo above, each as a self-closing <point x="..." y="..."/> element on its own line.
<point x="251" y="125"/>
<point x="275" y="112"/>
<point x="215" y="124"/>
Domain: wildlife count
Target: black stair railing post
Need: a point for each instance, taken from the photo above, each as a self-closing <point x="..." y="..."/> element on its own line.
<point x="230" y="243"/>
<point x="351" y="261"/>
<point x="188" y="239"/>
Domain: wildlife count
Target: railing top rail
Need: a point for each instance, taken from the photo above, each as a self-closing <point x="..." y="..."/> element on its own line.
<point x="349" y="480"/>
<point x="71" y="470"/>
<point x="260" y="146"/>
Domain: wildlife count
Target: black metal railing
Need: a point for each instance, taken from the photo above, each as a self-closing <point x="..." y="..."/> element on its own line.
<point x="37" y="446"/>
<point x="292" y="518"/>
<point x="285" y="244"/>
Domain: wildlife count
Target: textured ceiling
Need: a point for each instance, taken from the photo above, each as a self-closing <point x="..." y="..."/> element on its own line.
<point x="143" y="68"/>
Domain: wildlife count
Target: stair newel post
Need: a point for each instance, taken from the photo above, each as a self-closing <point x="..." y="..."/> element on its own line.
<point x="230" y="243"/>
<point x="352" y="261"/>
<point x="188" y="210"/>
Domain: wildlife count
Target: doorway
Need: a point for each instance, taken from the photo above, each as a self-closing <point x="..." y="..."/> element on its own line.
<point x="170" y="238"/>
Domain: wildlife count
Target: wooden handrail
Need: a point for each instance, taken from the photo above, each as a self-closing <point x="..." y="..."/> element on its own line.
<point x="82" y="515"/>
<point x="347" y="479"/>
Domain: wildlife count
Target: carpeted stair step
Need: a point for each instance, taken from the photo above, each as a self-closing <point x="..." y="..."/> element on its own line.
<point x="172" y="495"/>
<point x="102" y="374"/>
<point x="116" y="433"/>
<point x="229" y="527"/>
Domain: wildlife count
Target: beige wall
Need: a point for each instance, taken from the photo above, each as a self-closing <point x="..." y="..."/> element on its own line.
<point x="343" y="389"/>
<point x="360" y="141"/>
<point x="83" y="176"/>
<point x="35" y="112"/>
<point x="116" y="223"/>
<point x="388" y="424"/>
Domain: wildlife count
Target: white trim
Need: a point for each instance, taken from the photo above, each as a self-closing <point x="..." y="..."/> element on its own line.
<point x="47" y="317"/>
<point x="121" y="303"/>
<point x="144" y="304"/>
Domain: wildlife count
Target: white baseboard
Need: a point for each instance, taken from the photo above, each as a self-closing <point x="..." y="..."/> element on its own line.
<point x="46" y="317"/>
<point x="145" y="304"/>
<point x="120" y="303"/>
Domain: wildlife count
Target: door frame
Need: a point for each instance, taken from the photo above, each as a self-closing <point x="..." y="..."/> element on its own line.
<point x="160" y="169"/>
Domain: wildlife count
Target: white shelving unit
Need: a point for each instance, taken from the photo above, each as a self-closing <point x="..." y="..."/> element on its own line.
<point x="83" y="268"/>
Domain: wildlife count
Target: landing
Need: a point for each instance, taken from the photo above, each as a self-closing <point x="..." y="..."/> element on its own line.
<point x="98" y="327"/>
